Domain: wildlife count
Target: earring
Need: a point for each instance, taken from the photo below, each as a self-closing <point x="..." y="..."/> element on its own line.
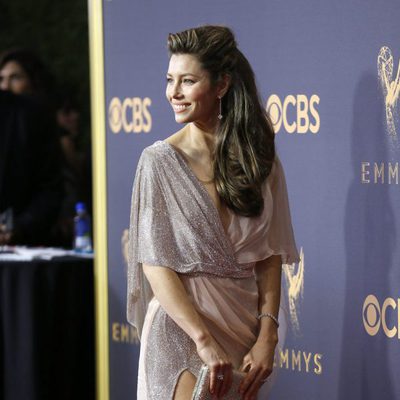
<point x="220" y="108"/>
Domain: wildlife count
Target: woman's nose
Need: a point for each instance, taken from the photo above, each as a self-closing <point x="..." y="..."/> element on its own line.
<point x="176" y="90"/>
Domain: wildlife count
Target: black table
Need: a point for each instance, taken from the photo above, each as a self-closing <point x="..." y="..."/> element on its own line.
<point x="47" y="334"/>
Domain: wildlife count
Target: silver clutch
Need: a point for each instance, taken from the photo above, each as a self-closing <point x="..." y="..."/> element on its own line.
<point x="201" y="390"/>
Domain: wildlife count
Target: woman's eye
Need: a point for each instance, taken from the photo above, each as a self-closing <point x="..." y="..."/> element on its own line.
<point x="188" y="81"/>
<point x="169" y="80"/>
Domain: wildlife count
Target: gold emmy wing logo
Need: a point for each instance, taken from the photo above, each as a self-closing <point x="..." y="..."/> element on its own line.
<point x="294" y="276"/>
<point x="295" y="359"/>
<point x="390" y="88"/>
<point x="122" y="332"/>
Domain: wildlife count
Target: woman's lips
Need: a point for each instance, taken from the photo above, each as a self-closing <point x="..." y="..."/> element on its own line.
<point x="178" y="108"/>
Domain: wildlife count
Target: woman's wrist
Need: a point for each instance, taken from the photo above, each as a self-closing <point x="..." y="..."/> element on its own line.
<point x="268" y="332"/>
<point x="269" y="315"/>
<point x="268" y="337"/>
<point x="201" y="339"/>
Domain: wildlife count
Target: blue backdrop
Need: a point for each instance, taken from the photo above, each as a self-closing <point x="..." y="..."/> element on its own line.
<point x="329" y="75"/>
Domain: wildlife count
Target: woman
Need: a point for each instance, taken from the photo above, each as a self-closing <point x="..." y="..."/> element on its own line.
<point x="210" y="228"/>
<point x="22" y="72"/>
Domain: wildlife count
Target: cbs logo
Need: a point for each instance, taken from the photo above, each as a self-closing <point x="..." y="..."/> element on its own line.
<point x="130" y="115"/>
<point x="296" y="113"/>
<point x="375" y="315"/>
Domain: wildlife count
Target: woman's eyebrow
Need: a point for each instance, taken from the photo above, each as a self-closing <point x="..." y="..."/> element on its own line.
<point x="186" y="74"/>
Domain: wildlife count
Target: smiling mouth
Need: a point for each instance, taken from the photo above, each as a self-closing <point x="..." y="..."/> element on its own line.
<point x="180" y="107"/>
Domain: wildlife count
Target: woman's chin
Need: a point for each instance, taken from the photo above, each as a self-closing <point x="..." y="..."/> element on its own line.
<point x="181" y="119"/>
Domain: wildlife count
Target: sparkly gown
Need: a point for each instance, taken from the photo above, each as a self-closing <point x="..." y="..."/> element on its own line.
<point x="175" y="224"/>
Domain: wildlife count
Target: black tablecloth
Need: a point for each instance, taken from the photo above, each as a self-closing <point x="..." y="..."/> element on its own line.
<point x="47" y="330"/>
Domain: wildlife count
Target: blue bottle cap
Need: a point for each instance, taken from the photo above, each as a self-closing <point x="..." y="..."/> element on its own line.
<point x="80" y="207"/>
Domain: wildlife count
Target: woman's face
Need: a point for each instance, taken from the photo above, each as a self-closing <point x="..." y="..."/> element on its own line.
<point x="189" y="90"/>
<point x="14" y="78"/>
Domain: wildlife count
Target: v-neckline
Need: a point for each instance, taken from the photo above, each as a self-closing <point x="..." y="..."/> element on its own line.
<point x="205" y="191"/>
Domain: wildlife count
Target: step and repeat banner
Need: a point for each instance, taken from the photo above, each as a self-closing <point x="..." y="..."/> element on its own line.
<point x="329" y="75"/>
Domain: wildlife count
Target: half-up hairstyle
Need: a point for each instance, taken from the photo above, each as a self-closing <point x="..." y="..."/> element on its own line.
<point x="244" y="149"/>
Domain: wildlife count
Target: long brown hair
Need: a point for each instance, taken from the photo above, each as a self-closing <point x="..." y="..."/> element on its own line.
<point x="244" y="149"/>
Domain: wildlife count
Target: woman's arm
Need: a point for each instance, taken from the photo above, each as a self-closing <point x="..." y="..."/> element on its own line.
<point x="269" y="273"/>
<point x="170" y="292"/>
<point x="260" y="359"/>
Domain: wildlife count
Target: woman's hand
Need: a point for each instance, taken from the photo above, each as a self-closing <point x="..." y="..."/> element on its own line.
<point x="5" y="235"/>
<point x="170" y="292"/>
<point x="258" y="363"/>
<point x="219" y="365"/>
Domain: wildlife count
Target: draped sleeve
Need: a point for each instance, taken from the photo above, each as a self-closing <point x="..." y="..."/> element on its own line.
<point x="151" y="234"/>
<point x="173" y="225"/>
<point x="136" y="284"/>
<point x="271" y="233"/>
<point x="280" y="237"/>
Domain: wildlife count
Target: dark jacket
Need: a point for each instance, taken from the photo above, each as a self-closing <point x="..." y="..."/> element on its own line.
<point x="30" y="173"/>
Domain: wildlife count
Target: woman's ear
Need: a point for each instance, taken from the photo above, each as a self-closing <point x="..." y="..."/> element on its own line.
<point x="223" y="85"/>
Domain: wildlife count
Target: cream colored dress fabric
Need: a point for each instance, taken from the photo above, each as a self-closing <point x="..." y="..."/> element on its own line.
<point x="175" y="224"/>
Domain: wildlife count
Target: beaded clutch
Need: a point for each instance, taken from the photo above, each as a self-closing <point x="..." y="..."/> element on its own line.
<point x="201" y="390"/>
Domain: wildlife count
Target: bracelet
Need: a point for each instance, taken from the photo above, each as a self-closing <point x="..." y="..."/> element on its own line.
<point x="269" y="316"/>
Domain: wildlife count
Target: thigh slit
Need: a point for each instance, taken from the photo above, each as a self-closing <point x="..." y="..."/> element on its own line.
<point x="184" y="385"/>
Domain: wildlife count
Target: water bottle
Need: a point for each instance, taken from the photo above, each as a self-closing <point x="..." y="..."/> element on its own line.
<point x="82" y="239"/>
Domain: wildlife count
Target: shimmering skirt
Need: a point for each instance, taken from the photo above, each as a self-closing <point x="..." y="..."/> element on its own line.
<point x="229" y="308"/>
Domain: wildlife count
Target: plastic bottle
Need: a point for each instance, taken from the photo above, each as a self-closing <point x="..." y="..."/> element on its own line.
<point x="82" y="238"/>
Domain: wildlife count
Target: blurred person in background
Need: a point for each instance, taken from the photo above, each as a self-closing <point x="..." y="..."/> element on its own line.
<point x="23" y="73"/>
<point x="76" y="165"/>
<point x="31" y="186"/>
